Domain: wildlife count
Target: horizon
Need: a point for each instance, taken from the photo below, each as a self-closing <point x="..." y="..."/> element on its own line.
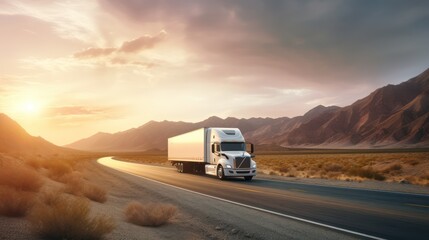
<point x="73" y="69"/>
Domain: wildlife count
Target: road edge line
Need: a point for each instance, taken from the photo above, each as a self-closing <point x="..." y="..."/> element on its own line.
<point x="253" y="207"/>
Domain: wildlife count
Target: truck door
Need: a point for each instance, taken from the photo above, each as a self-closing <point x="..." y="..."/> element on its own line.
<point x="214" y="153"/>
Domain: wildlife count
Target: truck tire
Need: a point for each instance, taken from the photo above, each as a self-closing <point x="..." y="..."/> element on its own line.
<point x="248" y="178"/>
<point x="188" y="167"/>
<point x="220" y="173"/>
<point x="179" y="167"/>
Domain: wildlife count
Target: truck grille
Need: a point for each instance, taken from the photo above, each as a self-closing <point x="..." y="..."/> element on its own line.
<point x="242" y="162"/>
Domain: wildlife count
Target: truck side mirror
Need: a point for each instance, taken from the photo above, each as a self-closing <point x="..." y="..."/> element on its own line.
<point x="213" y="148"/>
<point x="252" y="149"/>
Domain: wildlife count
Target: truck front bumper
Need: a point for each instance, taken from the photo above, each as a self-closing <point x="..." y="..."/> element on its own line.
<point x="234" y="172"/>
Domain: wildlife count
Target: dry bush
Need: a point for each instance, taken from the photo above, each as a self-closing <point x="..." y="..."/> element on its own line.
<point x="282" y="169"/>
<point x="386" y="166"/>
<point x="14" y="203"/>
<point x="333" y="167"/>
<point x="75" y="185"/>
<point x="57" y="169"/>
<point x="60" y="217"/>
<point x="20" y="177"/>
<point x="34" y="163"/>
<point x="95" y="193"/>
<point x="151" y="214"/>
<point x="367" y="173"/>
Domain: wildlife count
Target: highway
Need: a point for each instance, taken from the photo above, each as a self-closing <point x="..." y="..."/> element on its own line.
<point x="362" y="213"/>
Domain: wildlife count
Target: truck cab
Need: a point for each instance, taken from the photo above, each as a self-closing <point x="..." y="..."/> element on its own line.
<point x="228" y="154"/>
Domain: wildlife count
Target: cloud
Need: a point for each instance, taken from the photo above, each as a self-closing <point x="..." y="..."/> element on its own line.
<point x="75" y="110"/>
<point x="70" y="19"/>
<point x="123" y="61"/>
<point x="133" y="46"/>
<point x="314" y="42"/>
<point x="142" y="43"/>
<point x="94" y="52"/>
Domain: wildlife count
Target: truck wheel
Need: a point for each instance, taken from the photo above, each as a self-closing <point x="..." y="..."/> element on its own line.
<point x="248" y="178"/>
<point x="179" y="167"/>
<point x="220" y="174"/>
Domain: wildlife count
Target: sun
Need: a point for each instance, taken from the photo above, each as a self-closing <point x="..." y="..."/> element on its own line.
<point x="30" y="107"/>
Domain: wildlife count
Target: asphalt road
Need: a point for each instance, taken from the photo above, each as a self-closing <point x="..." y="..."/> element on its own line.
<point x="377" y="214"/>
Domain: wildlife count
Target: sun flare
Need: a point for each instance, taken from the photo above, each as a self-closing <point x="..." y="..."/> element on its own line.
<point x="30" y="107"/>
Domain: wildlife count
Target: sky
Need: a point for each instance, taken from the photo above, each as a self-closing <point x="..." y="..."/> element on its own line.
<point x="69" y="69"/>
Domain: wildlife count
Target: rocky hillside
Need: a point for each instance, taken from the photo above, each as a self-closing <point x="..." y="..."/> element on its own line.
<point x="392" y="116"/>
<point x="15" y="141"/>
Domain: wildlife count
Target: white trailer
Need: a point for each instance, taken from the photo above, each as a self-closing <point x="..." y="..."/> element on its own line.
<point x="221" y="152"/>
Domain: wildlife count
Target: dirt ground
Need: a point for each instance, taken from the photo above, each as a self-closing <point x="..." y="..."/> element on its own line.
<point x="188" y="223"/>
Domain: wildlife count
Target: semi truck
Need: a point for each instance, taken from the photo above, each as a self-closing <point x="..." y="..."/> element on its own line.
<point x="220" y="152"/>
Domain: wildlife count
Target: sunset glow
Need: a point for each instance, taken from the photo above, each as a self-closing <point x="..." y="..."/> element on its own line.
<point x="30" y="108"/>
<point x="110" y="65"/>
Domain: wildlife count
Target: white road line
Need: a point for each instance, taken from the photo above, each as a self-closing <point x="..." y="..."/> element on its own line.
<point x="255" y="208"/>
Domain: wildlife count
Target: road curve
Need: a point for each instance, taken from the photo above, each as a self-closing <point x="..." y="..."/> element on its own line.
<point x="364" y="213"/>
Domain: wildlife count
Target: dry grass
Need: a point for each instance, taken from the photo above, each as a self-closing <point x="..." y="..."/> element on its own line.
<point x="15" y="203"/>
<point x="76" y="185"/>
<point x="57" y="169"/>
<point x="59" y="217"/>
<point x="392" y="167"/>
<point x="151" y="214"/>
<point x="20" y="177"/>
<point x="34" y="163"/>
<point x="95" y="193"/>
<point x="73" y="184"/>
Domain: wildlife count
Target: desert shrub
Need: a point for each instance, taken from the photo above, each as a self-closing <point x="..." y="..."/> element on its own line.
<point x="333" y="167"/>
<point x="59" y="217"/>
<point x="394" y="168"/>
<point x="34" y="163"/>
<point x="15" y="203"/>
<point x="413" y="162"/>
<point x="282" y="169"/>
<point x="75" y="185"/>
<point x="57" y="169"/>
<point x="151" y="214"/>
<point x="366" y="173"/>
<point x="20" y="177"/>
<point x="95" y="193"/>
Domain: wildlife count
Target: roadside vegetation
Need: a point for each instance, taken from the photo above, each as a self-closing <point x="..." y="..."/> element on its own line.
<point x="390" y="165"/>
<point x="18" y="187"/>
<point x="56" y="216"/>
<point x="150" y="214"/>
<point x="53" y="194"/>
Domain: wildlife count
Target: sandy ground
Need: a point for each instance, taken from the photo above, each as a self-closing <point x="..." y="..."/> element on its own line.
<point x="198" y="217"/>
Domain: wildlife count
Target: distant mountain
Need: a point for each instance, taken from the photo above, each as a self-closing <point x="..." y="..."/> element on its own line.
<point x="15" y="141"/>
<point x="392" y="116"/>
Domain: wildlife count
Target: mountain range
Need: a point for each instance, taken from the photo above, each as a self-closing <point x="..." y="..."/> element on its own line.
<point x="15" y="141"/>
<point x="391" y="116"/>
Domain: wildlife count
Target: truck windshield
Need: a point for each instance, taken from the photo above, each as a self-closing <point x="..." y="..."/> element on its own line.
<point x="233" y="146"/>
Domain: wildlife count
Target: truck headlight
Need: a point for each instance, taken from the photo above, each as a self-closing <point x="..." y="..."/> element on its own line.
<point x="254" y="165"/>
<point x="228" y="166"/>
